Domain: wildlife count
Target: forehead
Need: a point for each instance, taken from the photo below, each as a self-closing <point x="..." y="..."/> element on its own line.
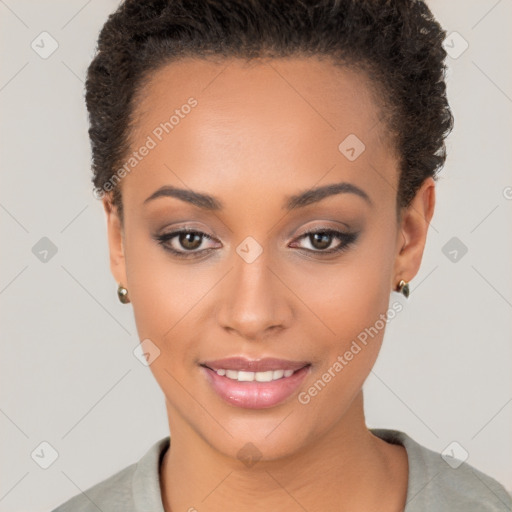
<point x="282" y="119"/>
<point x="269" y="89"/>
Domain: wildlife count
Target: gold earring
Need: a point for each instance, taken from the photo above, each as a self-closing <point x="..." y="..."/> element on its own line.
<point x="403" y="287"/>
<point x="122" y="294"/>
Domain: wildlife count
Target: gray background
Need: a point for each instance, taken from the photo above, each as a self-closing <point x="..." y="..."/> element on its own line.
<point x="69" y="376"/>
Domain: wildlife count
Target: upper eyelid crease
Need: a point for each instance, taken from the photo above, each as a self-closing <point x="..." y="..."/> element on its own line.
<point x="210" y="203"/>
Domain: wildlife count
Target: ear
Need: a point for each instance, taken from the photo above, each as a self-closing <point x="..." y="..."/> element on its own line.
<point x="412" y="232"/>
<point x="115" y="241"/>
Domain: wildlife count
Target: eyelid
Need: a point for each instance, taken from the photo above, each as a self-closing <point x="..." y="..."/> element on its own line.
<point x="322" y="228"/>
<point x="326" y="224"/>
<point x="184" y="226"/>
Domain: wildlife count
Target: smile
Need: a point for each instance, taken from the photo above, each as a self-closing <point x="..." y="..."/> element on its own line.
<point x="267" y="376"/>
<point x="255" y="390"/>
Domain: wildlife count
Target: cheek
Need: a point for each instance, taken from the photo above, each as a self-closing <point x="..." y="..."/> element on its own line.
<point x="157" y="285"/>
<point x="345" y="318"/>
<point x="348" y="306"/>
<point x="168" y="298"/>
<point x="348" y="296"/>
<point x="165" y="297"/>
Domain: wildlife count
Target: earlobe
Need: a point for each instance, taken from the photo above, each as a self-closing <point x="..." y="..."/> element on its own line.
<point x="115" y="241"/>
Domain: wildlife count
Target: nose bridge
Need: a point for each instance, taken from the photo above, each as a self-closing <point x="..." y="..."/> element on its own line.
<point x="254" y="301"/>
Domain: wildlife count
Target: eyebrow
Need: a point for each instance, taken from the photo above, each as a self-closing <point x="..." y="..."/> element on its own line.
<point x="317" y="194"/>
<point x="300" y="200"/>
<point x="204" y="201"/>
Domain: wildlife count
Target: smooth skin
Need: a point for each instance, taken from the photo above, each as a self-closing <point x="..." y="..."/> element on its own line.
<point x="261" y="132"/>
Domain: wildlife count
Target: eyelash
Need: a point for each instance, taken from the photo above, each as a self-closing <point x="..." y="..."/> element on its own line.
<point x="347" y="239"/>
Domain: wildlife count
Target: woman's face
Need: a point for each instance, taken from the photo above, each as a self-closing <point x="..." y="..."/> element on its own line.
<point x="254" y="137"/>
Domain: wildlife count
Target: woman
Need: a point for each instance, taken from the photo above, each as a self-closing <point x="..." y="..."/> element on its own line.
<point x="267" y="171"/>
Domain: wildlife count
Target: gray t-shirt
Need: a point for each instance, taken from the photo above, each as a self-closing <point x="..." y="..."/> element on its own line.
<point x="434" y="485"/>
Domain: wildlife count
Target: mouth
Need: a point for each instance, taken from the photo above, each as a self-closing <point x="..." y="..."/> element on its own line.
<point x="248" y="376"/>
<point x="240" y="363"/>
<point x="255" y="384"/>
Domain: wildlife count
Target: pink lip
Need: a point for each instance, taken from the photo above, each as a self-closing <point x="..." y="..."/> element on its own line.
<point x="254" y="365"/>
<point x="255" y="395"/>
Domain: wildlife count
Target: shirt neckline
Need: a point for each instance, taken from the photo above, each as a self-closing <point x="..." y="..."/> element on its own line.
<point x="146" y="491"/>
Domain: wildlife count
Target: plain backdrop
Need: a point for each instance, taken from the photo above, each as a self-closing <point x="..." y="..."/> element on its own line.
<point x="68" y="374"/>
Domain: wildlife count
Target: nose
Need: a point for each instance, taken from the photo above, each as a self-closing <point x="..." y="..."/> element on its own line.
<point x="255" y="302"/>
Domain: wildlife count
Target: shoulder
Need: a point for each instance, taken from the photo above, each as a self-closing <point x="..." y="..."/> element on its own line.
<point x="442" y="483"/>
<point x="115" y="489"/>
<point x="125" y="490"/>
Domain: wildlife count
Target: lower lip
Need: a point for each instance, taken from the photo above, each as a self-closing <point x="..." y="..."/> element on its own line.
<point x="255" y="395"/>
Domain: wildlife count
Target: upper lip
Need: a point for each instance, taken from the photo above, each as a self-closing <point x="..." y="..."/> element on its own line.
<point x="254" y="365"/>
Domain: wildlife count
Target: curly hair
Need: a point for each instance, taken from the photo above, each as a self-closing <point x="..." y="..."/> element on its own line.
<point x="398" y="43"/>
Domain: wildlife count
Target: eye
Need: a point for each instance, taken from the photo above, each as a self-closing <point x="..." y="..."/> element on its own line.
<point x="188" y="243"/>
<point x="185" y="243"/>
<point x="321" y="240"/>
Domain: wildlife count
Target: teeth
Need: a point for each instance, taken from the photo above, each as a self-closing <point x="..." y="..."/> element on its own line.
<point x="242" y="376"/>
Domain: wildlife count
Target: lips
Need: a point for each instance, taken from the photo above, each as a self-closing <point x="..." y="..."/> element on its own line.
<point x="255" y="395"/>
<point x="254" y="365"/>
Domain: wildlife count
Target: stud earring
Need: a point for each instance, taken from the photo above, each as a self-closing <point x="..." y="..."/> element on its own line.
<point x="403" y="287"/>
<point x="122" y="294"/>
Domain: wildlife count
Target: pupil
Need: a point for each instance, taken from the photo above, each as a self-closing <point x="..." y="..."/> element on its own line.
<point x="323" y="238"/>
<point x="186" y="240"/>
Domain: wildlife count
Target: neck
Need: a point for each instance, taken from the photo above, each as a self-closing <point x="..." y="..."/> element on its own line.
<point x="346" y="468"/>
